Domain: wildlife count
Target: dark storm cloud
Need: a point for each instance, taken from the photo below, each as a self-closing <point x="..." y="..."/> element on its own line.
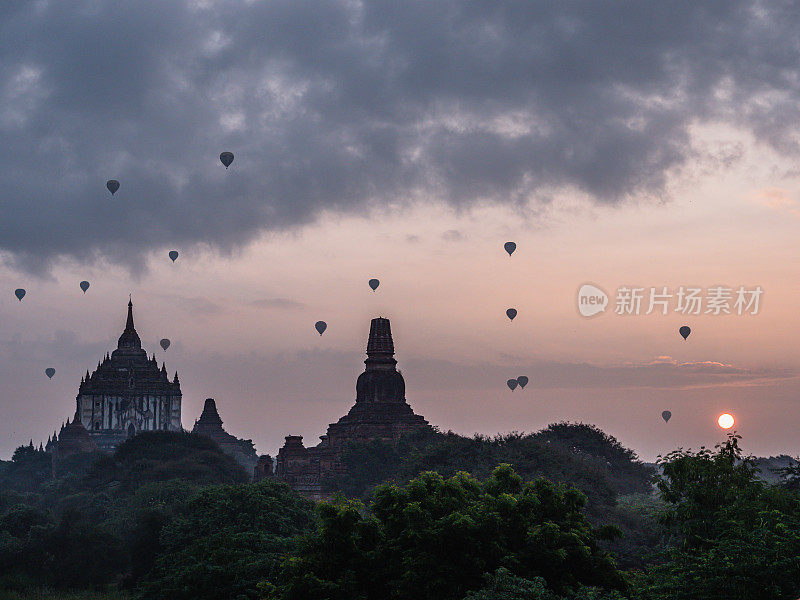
<point x="347" y="105"/>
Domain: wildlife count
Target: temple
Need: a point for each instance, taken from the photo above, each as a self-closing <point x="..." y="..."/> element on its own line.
<point x="72" y="439"/>
<point x="210" y="425"/>
<point x="380" y="412"/>
<point x="128" y="393"/>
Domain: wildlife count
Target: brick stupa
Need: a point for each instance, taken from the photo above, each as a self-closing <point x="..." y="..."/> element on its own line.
<point x="380" y="412"/>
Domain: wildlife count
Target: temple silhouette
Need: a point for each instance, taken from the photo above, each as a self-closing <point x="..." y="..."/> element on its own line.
<point x="128" y="394"/>
<point x="380" y="412"/>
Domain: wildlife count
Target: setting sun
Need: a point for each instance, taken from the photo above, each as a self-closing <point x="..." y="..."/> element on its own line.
<point x="725" y="421"/>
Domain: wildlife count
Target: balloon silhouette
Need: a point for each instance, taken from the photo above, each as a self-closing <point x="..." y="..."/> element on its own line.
<point x="84" y="286"/>
<point x="19" y="293"/>
<point x="510" y="247"/>
<point x="666" y="415"/>
<point x="50" y="371"/>
<point x="226" y="158"/>
<point x="511" y="313"/>
<point x="112" y="185"/>
<point x="511" y="383"/>
<point x="321" y="326"/>
<point x="173" y="254"/>
<point x="685" y="331"/>
<point x="522" y="381"/>
<point x="374" y="283"/>
<point x="164" y="344"/>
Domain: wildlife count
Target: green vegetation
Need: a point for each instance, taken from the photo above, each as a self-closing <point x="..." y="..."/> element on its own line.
<point x="434" y="539"/>
<point x="225" y="541"/>
<point x="578" y="454"/>
<point x="567" y="513"/>
<point x="48" y="594"/>
<point x="737" y="537"/>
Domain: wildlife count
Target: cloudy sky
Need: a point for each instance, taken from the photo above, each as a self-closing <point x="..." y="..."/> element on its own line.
<point x="639" y="145"/>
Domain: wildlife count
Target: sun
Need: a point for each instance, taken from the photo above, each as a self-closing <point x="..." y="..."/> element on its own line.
<point x="725" y="421"/>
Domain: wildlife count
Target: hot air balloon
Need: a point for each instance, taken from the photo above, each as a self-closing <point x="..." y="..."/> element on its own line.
<point x="522" y="381"/>
<point x="666" y="416"/>
<point x="84" y="286"/>
<point x="164" y="344"/>
<point x="321" y="326"/>
<point x="511" y="383"/>
<point x="173" y="254"/>
<point x="685" y="331"/>
<point x="226" y="158"/>
<point x="19" y="293"/>
<point x="510" y="247"/>
<point x="112" y="185"/>
<point x="511" y="313"/>
<point x="374" y="283"/>
<point x="50" y="371"/>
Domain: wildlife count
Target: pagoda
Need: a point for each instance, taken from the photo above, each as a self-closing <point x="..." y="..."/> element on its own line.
<point x="72" y="439"/>
<point x="380" y="412"/>
<point x="128" y="393"/>
<point x="210" y="425"/>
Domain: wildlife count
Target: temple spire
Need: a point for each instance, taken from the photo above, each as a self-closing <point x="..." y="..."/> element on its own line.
<point x="129" y="324"/>
<point x="380" y="347"/>
<point x="129" y="340"/>
<point x="380" y="381"/>
<point x="380" y="341"/>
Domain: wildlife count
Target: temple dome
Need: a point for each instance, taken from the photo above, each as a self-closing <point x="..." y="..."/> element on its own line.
<point x="380" y="386"/>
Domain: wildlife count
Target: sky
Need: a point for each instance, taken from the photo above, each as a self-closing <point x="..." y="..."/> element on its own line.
<point x="624" y="145"/>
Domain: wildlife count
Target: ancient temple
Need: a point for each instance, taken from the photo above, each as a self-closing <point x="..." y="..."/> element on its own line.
<point x="380" y="412"/>
<point x="128" y="393"/>
<point x="210" y="425"/>
<point x="72" y="439"/>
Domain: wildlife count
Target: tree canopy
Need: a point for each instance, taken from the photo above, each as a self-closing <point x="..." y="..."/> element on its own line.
<point x="435" y="538"/>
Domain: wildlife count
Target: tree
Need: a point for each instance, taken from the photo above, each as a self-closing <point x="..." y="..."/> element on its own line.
<point x="434" y="539"/>
<point x="28" y="470"/>
<point x="225" y="541"/>
<point x="164" y="455"/>
<point x="504" y="585"/>
<point x="739" y="539"/>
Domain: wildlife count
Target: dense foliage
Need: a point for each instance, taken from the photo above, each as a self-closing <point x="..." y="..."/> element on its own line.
<point x="170" y="516"/>
<point x="435" y="538"/>
<point x="578" y="454"/>
<point x="225" y="541"/>
<point x="738" y="538"/>
<point x="96" y="519"/>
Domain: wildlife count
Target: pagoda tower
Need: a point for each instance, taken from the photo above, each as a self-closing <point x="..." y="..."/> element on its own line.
<point x="381" y="409"/>
<point x="380" y="412"/>
<point x="128" y="393"/>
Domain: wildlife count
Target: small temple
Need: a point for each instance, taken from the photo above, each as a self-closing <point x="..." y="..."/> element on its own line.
<point x="72" y="439"/>
<point x="210" y="425"/>
<point x="380" y="412"/>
